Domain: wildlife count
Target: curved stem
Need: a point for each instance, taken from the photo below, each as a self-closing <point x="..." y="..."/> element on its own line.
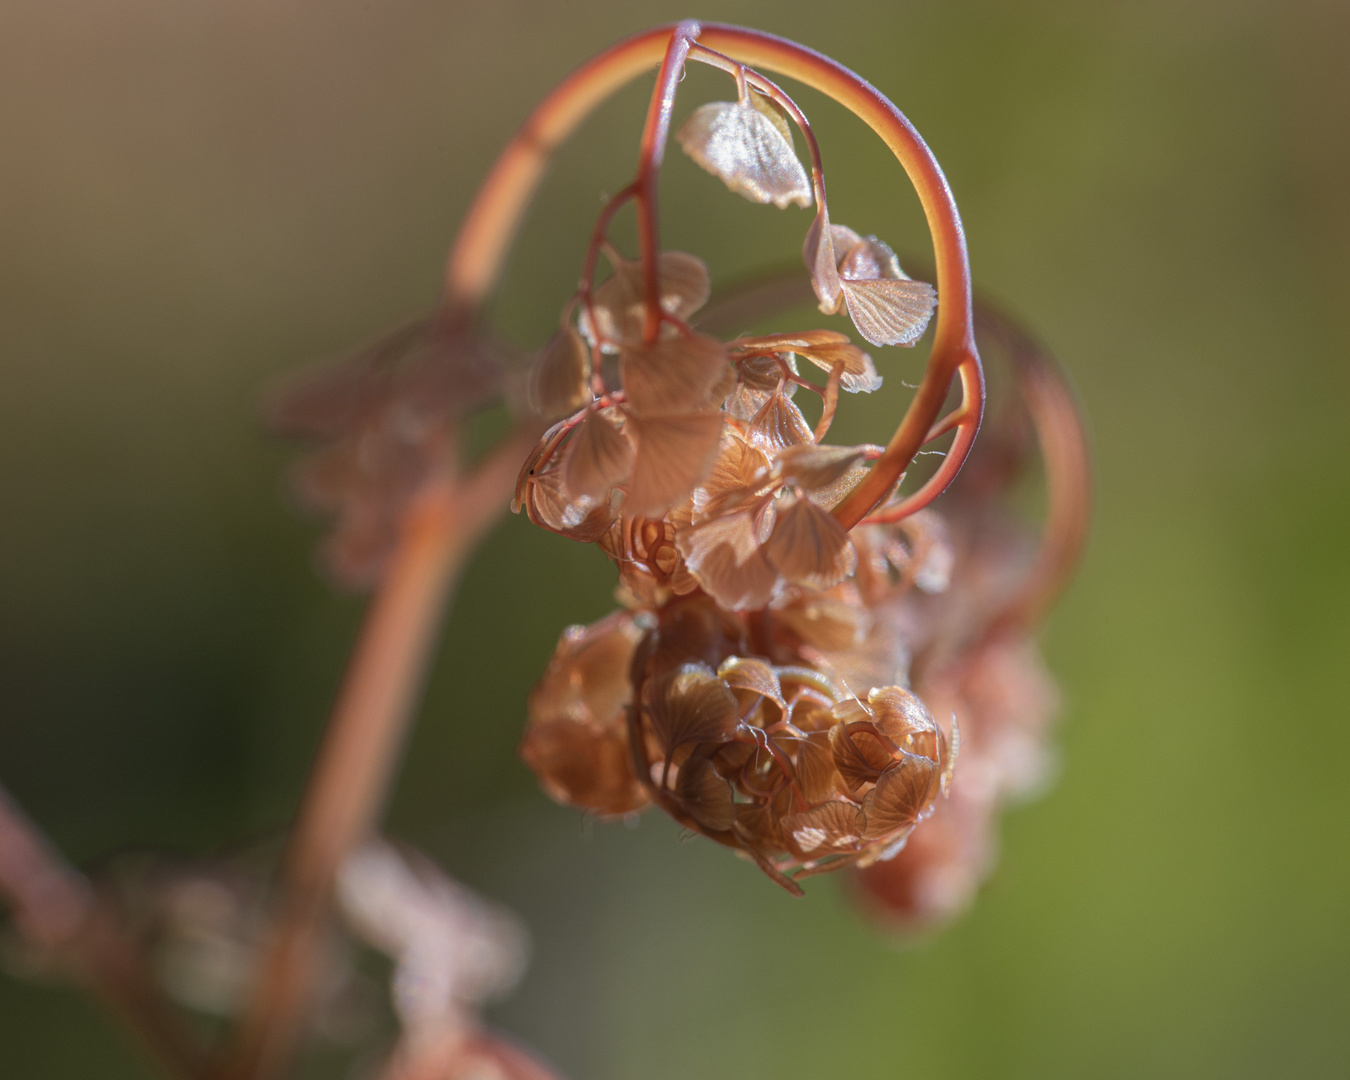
<point x="1058" y="422"/>
<point x="652" y="152"/>
<point x="476" y="259"/>
<point x="966" y="419"/>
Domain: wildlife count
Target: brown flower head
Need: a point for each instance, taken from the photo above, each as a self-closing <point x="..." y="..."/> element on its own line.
<point x="788" y="616"/>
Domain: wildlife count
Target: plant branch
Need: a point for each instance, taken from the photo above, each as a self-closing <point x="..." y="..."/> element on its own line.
<point x="651" y="153"/>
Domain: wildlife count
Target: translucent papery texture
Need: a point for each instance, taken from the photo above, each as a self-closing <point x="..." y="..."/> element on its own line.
<point x="749" y="147"/>
<point x="758" y="730"/>
<point x="561" y="380"/>
<point x="1005" y="700"/>
<point x="862" y="275"/>
<point x="619" y="304"/>
<point x="576" y="741"/>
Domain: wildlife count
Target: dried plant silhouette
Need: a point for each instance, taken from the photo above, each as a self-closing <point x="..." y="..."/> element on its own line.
<point x="810" y="665"/>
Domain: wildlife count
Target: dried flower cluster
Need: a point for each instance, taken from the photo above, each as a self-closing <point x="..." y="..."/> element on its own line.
<point x="783" y="678"/>
<point x="756" y="684"/>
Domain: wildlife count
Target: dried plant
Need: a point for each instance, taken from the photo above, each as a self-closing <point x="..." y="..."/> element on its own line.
<point x="806" y="661"/>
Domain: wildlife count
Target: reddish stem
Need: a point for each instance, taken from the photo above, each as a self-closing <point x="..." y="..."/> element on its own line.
<point x="480" y="248"/>
<point x="651" y="154"/>
<point x="967" y="422"/>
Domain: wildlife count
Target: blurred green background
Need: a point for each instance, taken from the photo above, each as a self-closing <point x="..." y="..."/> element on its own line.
<point x="195" y="198"/>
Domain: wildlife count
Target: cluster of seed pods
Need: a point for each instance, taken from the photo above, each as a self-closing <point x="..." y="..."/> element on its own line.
<point x="748" y="689"/>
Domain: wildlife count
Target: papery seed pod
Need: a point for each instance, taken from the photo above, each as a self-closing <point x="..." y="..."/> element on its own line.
<point x="673" y="454"/>
<point x="619" y="304"/>
<point x="577" y="739"/>
<point x="560" y="383"/>
<point x="863" y="275"/>
<point x="673" y="376"/>
<point x="748" y="145"/>
<point x="825" y="349"/>
<point x="598" y="457"/>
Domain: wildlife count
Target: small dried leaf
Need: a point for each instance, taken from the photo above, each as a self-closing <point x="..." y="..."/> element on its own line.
<point x="758" y="826"/>
<point x="581" y="518"/>
<point x="673" y="375"/>
<point x="724" y="554"/>
<point x="584" y="766"/>
<point x="878" y="660"/>
<point x="816" y="775"/>
<point x="776" y="113"/>
<point x="865" y="258"/>
<point x="777" y="425"/>
<point x="706" y="795"/>
<point x="598" y="457"/>
<point x="813" y="466"/>
<point x="751" y="681"/>
<point x="855" y="767"/>
<point x="761" y="373"/>
<point x="818" y="254"/>
<point x="692" y="706"/>
<point x="748" y="151"/>
<point x="905" y="791"/>
<point x="888" y="311"/>
<point x="831" y="827"/>
<point x="735" y="481"/>
<point x="587" y="676"/>
<point x="560" y="384"/>
<point x="620" y="301"/>
<point x="673" y="454"/>
<point x="809" y="546"/>
<point x="825" y="349"/>
<point x="885" y="306"/>
<point x="826" y="622"/>
<point x="905" y="719"/>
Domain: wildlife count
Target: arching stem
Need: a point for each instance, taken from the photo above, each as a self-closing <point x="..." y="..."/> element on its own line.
<point x="651" y="154"/>
<point x="480" y="248"/>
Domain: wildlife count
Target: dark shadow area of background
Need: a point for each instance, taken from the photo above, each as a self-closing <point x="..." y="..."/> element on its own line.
<point x="197" y="198"/>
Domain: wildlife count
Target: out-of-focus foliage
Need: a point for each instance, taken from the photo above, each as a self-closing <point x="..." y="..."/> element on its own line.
<point x="198" y="199"/>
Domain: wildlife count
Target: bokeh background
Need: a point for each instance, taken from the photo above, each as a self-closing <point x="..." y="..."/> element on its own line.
<point x="196" y="198"/>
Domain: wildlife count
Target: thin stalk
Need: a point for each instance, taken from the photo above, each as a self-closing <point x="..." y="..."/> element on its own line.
<point x="651" y="153"/>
